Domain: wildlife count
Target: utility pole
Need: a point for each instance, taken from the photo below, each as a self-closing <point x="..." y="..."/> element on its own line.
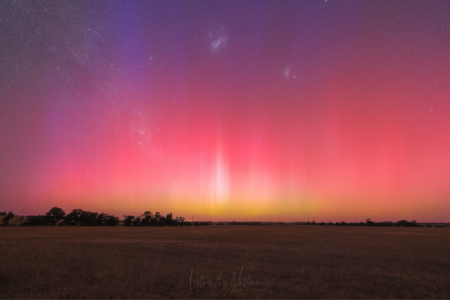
<point x="21" y="213"/>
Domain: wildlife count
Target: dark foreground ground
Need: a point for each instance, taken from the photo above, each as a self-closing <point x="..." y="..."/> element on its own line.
<point x="224" y="262"/>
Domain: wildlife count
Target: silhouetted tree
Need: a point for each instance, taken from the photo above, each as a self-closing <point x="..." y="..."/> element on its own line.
<point x="54" y="215"/>
<point x="86" y="218"/>
<point x="169" y="219"/>
<point x="73" y="218"/>
<point x="147" y="218"/>
<point x="8" y="217"/>
<point x="369" y="222"/>
<point x="111" y="221"/>
<point x="403" y="223"/>
<point x="179" y="221"/>
<point x="157" y="219"/>
<point x="101" y="219"/>
<point x="137" y="221"/>
<point x="83" y="218"/>
<point x="128" y="220"/>
<point x="107" y="220"/>
<point x="35" y="221"/>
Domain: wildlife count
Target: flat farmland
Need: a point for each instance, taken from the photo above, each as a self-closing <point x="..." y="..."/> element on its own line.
<point x="224" y="262"/>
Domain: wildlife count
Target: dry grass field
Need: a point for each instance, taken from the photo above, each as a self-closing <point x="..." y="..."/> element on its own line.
<point x="224" y="262"/>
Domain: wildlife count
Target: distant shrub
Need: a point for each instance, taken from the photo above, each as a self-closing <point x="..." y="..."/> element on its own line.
<point x="389" y="224"/>
<point x="404" y="223"/>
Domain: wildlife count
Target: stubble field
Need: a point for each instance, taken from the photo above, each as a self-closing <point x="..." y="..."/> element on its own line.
<point x="224" y="262"/>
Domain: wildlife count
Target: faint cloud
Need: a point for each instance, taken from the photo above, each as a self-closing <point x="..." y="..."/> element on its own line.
<point x="217" y="39"/>
<point x="287" y="72"/>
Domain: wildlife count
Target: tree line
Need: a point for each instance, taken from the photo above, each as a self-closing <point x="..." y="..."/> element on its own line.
<point x="86" y="218"/>
<point x="369" y="222"/>
<point x="149" y="219"/>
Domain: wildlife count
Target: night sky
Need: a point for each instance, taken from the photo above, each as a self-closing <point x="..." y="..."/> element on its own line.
<point x="228" y="110"/>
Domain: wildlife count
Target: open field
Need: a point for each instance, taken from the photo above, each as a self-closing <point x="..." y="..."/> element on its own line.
<point x="252" y="261"/>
